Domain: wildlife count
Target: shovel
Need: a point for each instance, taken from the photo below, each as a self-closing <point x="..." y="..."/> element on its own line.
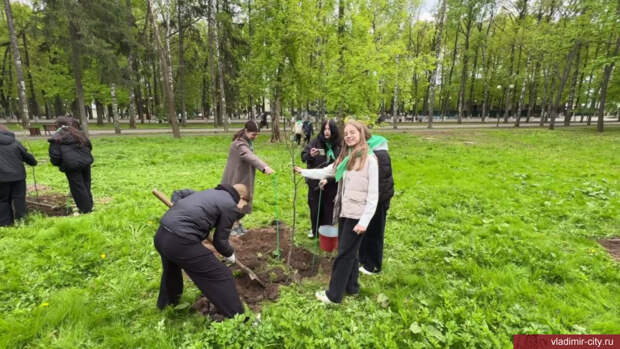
<point x="243" y="267"/>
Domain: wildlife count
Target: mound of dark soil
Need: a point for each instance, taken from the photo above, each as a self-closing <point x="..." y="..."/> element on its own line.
<point x="612" y="246"/>
<point x="50" y="204"/>
<point x="257" y="250"/>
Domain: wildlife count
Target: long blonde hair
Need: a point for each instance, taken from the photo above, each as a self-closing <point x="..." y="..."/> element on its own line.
<point x="360" y="150"/>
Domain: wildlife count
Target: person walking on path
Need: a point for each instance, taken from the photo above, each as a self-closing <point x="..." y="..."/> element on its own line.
<point x="318" y="153"/>
<point x="242" y="164"/>
<point x="356" y="172"/>
<point x="308" y="131"/>
<point x="371" y="249"/>
<point x="70" y="150"/>
<point x="179" y="242"/>
<point x="12" y="177"/>
<point x="299" y="130"/>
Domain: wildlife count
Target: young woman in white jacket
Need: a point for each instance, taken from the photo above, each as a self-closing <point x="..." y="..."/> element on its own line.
<point x="356" y="172"/>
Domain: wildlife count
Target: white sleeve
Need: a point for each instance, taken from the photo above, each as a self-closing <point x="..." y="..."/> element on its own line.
<point x="319" y="173"/>
<point x="373" y="192"/>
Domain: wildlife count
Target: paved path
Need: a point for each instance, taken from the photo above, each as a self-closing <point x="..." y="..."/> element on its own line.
<point x="438" y="125"/>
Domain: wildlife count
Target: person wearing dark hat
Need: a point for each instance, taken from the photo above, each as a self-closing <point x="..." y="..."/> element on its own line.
<point x="12" y="177"/>
<point x="242" y="164"/>
<point x="179" y="242"/>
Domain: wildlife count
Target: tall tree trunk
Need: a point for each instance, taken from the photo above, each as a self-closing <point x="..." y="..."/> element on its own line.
<point x="17" y="60"/>
<point x="609" y="67"/>
<point x="556" y="105"/>
<point x="486" y="63"/>
<point x="77" y="72"/>
<point x="115" y="116"/>
<point x="341" y="26"/>
<point x="579" y="85"/>
<point x="522" y="94"/>
<point x="470" y="103"/>
<point x="181" y="69"/>
<point x="100" y="112"/>
<point x="433" y="79"/>
<point x="573" y="88"/>
<point x="220" y="72"/>
<point x="461" y="101"/>
<point x="34" y="106"/>
<point x="165" y="71"/>
<point x="395" y="101"/>
<point x="204" y="95"/>
<point x="448" y="82"/>
<point x="217" y="117"/>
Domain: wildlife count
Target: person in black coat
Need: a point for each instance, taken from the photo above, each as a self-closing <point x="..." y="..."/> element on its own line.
<point x="179" y="242"/>
<point x="12" y="177"/>
<point x="371" y="249"/>
<point x="70" y="150"/>
<point x="318" y="153"/>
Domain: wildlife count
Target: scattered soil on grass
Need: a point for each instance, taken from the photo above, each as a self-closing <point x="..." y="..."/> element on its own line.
<point x="257" y="250"/>
<point x="613" y="247"/>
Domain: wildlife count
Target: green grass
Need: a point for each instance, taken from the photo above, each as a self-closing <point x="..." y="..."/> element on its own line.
<point x="491" y="233"/>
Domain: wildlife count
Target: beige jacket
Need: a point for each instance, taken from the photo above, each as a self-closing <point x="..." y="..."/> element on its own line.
<point x="241" y="168"/>
<point x="358" y="191"/>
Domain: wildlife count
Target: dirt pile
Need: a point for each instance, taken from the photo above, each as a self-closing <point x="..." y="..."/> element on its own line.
<point x="612" y="246"/>
<point x="41" y="199"/>
<point x="257" y="250"/>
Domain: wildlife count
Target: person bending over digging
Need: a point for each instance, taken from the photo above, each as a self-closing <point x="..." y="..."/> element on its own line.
<point x="12" y="177"/>
<point x="70" y="150"/>
<point x="179" y="242"/>
<point x="242" y="164"/>
<point x="356" y="172"/>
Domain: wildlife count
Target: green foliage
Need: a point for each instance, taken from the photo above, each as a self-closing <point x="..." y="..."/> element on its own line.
<point x="490" y="233"/>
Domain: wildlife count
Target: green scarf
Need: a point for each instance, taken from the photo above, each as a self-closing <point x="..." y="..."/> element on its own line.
<point x="373" y="143"/>
<point x="330" y="152"/>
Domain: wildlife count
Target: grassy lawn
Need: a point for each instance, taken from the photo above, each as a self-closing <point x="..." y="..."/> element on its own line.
<point x="490" y="233"/>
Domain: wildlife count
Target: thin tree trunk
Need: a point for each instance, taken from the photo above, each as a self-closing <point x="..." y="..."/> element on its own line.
<point x="100" y="112"/>
<point x="217" y="117"/>
<point x="433" y="79"/>
<point x="558" y="98"/>
<point x="220" y="73"/>
<point x="606" y="76"/>
<point x="165" y="71"/>
<point x="33" y="99"/>
<point x="181" y="69"/>
<point x="115" y="116"/>
<point x="21" y="84"/>
<point x="395" y="101"/>
<point x="461" y="102"/>
<point x="77" y="72"/>
<point x="522" y="94"/>
<point x="573" y="88"/>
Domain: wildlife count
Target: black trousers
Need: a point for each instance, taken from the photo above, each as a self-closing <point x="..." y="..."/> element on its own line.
<point x="371" y="250"/>
<point x="12" y="201"/>
<point x="297" y="138"/>
<point x="79" y="184"/>
<point x="212" y="277"/>
<point x="313" y="204"/>
<point x="345" y="268"/>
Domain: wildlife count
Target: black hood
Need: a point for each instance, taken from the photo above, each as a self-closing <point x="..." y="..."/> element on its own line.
<point x="63" y="137"/>
<point x="230" y="190"/>
<point x="7" y="137"/>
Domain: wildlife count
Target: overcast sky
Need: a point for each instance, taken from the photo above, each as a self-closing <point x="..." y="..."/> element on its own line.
<point x="427" y="8"/>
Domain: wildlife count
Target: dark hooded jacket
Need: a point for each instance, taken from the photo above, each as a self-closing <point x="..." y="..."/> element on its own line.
<point x="67" y="153"/>
<point x="12" y="156"/>
<point x="194" y="214"/>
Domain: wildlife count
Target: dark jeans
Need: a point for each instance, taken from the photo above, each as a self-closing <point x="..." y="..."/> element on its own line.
<point x="297" y="138"/>
<point x="12" y="201"/>
<point x="345" y="268"/>
<point x="211" y="276"/>
<point x="371" y="250"/>
<point x="313" y="204"/>
<point x="79" y="184"/>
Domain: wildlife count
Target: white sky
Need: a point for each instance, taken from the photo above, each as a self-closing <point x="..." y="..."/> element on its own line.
<point x="427" y="8"/>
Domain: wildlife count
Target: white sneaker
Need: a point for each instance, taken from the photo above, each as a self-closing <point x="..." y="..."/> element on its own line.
<point x="320" y="295"/>
<point x="310" y="235"/>
<point x="366" y="271"/>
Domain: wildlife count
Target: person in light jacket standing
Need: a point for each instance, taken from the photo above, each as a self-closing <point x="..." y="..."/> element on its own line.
<point x="242" y="164"/>
<point x="12" y="177"/>
<point x="356" y="172"/>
